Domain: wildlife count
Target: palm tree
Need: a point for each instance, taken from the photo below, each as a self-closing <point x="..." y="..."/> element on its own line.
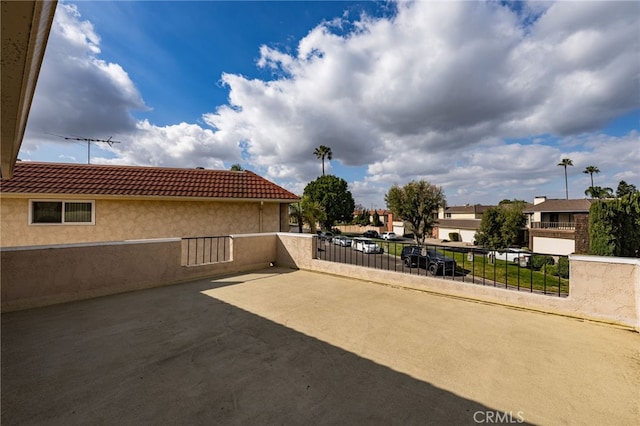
<point x="296" y="215"/>
<point x="599" y="192"/>
<point x="312" y="213"/>
<point x="566" y="162"/>
<point x="590" y="170"/>
<point x="323" y="152"/>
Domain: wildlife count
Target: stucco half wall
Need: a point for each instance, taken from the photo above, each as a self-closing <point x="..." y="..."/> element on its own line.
<point x="601" y="289"/>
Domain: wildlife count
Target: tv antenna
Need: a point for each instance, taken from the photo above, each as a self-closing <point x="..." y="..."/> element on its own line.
<point x="88" y="141"/>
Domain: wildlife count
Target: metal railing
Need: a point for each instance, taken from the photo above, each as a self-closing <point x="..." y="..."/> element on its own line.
<point x="472" y="265"/>
<point x="204" y="250"/>
<point x="553" y="225"/>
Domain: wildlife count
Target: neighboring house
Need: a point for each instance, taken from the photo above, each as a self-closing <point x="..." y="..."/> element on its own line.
<point x="461" y="220"/>
<point x="558" y="226"/>
<point x="51" y="203"/>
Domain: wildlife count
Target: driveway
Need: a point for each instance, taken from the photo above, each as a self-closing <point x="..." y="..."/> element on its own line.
<point x="283" y="347"/>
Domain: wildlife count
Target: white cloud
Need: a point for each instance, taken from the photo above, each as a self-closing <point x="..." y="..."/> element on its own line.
<point x="474" y="96"/>
<point x="421" y="94"/>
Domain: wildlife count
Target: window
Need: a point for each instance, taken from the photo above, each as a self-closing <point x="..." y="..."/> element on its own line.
<point x="62" y="212"/>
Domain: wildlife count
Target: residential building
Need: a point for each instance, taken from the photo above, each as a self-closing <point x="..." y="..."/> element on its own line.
<point x="51" y="203"/>
<point x="558" y="226"/>
<point x="461" y="220"/>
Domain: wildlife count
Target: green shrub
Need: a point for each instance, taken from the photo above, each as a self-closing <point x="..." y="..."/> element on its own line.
<point x="563" y="267"/>
<point x="550" y="269"/>
<point x="540" y="260"/>
<point x="454" y="236"/>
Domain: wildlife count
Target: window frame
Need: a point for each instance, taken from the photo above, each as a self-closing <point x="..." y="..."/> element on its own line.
<point x="62" y="222"/>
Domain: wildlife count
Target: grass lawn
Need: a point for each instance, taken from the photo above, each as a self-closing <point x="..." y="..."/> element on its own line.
<point x="501" y="273"/>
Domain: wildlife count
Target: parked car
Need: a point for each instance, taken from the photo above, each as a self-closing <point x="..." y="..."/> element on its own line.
<point x="325" y="236"/>
<point x="429" y="259"/>
<point x="366" y="245"/>
<point x="388" y="235"/>
<point x="510" y="255"/>
<point x="341" y="240"/>
<point x="371" y="234"/>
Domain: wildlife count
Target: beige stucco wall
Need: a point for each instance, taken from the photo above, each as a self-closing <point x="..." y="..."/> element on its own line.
<point x="45" y="275"/>
<point x="118" y="220"/>
<point x="602" y="289"/>
<point x="591" y="290"/>
<point x="607" y="287"/>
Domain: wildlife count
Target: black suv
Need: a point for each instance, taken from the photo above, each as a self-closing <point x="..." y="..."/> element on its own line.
<point x="371" y="234"/>
<point x="429" y="259"/>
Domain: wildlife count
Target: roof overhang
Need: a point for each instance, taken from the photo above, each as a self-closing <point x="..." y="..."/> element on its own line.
<point x="25" y="30"/>
<point x="71" y="196"/>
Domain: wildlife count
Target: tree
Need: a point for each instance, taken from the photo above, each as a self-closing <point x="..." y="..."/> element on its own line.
<point x="625" y="188"/>
<point x="598" y="192"/>
<point x="566" y="162"/>
<point x="363" y="217"/>
<point x="501" y="226"/>
<point x="417" y="204"/>
<point x="296" y="215"/>
<point x="236" y="168"/>
<point x="590" y="170"/>
<point x="376" y="219"/>
<point x="334" y="197"/>
<point x="323" y="152"/>
<point x="614" y="226"/>
<point x="312" y="213"/>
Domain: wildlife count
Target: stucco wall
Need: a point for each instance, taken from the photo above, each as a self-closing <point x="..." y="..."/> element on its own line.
<point x="45" y="275"/>
<point x="603" y="289"/>
<point x="118" y="220"/>
<point x="608" y="292"/>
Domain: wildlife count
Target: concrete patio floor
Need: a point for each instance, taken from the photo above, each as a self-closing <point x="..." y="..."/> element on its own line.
<point x="284" y="347"/>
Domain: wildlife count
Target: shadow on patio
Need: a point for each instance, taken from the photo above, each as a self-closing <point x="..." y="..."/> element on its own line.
<point x="172" y="355"/>
<point x="279" y="346"/>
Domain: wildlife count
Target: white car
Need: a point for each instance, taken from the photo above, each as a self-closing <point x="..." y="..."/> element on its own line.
<point x="342" y="241"/>
<point x="366" y="245"/>
<point x="510" y="255"/>
<point x="388" y="236"/>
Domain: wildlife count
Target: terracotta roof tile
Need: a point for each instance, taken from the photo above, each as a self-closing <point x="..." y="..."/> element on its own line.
<point x="94" y="179"/>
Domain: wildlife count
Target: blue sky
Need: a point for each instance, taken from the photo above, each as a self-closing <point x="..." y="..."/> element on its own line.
<point x="482" y="98"/>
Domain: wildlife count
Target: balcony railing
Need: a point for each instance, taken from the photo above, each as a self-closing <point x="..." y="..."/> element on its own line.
<point x="472" y="264"/>
<point x="554" y="225"/>
<point x="205" y="250"/>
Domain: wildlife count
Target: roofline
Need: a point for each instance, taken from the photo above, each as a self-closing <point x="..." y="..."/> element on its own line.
<point x="67" y="196"/>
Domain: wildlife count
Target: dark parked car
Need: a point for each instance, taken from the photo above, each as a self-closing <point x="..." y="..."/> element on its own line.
<point x="371" y="234"/>
<point x="325" y="236"/>
<point x="429" y="259"/>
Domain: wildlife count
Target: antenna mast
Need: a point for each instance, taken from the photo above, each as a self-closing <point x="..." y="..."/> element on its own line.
<point x="89" y="140"/>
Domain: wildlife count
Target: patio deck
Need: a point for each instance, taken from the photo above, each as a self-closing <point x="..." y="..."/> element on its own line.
<point x="280" y="346"/>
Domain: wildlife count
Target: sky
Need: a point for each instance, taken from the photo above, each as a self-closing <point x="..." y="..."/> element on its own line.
<point x="482" y="98"/>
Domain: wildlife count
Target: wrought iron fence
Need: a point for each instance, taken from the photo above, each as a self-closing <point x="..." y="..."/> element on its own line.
<point x="531" y="272"/>
<point x="203" y="250"/>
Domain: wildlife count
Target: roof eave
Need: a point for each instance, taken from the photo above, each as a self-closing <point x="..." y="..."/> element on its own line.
<point x="69" y="196"/>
